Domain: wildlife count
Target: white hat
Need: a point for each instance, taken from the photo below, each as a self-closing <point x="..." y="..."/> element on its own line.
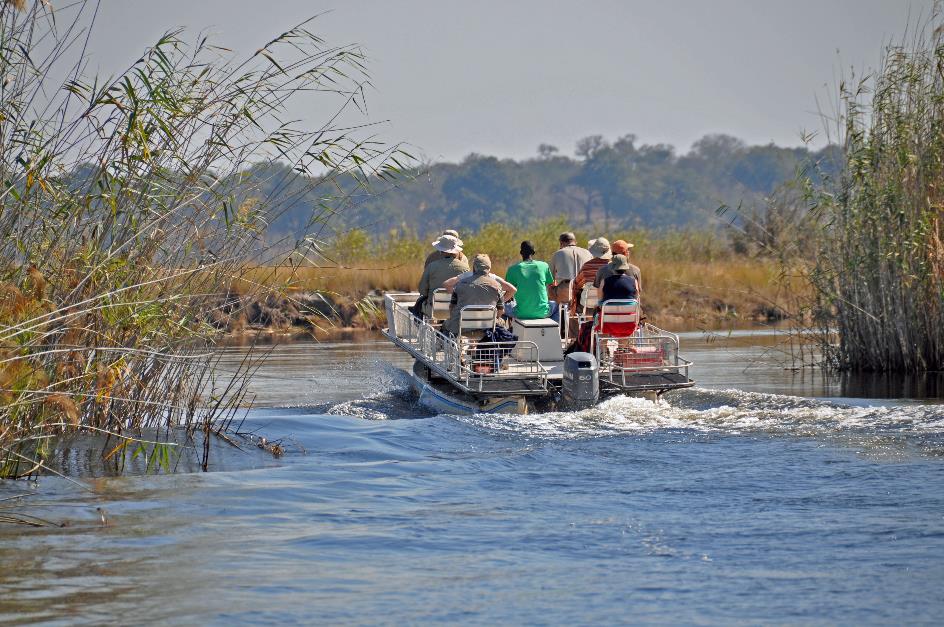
<point x="448" y="244"/>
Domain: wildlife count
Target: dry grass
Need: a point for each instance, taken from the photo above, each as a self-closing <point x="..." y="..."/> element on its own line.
<point x="686" y="293"/>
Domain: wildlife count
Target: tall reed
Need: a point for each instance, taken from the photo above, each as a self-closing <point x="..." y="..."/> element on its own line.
<point x="124" y="219"/>
<point x="879" y="271"/>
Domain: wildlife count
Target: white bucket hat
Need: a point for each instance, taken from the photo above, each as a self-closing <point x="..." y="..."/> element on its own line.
<point x="448" y="244"/>
<point x="600" y="248"/>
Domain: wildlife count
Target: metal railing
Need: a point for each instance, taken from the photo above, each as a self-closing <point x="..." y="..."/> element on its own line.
<point x="471" y="364"/>
<point x="650" y="350"/>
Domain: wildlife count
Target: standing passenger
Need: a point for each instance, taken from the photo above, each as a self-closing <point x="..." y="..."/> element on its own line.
<point x="565" y="264"/>
<point x="531" y="278"/>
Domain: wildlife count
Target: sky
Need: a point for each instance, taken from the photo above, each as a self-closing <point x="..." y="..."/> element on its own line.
<point x="501" y="77"/>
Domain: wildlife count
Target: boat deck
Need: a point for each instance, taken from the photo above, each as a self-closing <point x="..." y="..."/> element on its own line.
<point x="644" y="362"/>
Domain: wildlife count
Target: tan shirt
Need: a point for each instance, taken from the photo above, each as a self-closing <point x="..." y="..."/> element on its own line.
<point x="566" y="262"/>
<point x="479" y="290"/>
<point x="433" y="256"/>
<point x="435" y="274"/>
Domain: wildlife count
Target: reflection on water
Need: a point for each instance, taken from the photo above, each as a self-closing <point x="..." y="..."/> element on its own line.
<point x="762" y="495"/>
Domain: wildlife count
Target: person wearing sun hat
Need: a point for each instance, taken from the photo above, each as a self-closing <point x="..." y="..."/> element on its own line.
<point x="600" y="249"/>
<point x="480" y="289"/>
<point x="619" y="247"/>
<point x="451" y="262"/>
<point x="620" y="285"/>
<point x="436" y="254"/>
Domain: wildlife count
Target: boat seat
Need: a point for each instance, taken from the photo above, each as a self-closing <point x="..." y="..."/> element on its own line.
<point x="588" y="301"/>
<point x="545" y="333"/>
<point x="441" y="300"/>
<point x="618" y="318"/>
<point x="477" y="318"/>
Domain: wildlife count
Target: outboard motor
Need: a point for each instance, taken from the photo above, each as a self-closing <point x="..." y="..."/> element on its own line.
<point x="581" y="385"/>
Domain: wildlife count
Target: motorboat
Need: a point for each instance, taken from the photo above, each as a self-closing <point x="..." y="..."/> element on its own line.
<point x="472" y="373"/>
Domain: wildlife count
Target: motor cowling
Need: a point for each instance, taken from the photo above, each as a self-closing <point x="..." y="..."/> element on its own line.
<point x="581" y="381"/>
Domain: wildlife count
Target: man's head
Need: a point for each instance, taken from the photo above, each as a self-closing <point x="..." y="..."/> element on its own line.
<point x="620" y="247"/>
<point x="527" y="249"/>
<point x="481" y="264"/>
<point x="567" y="239"/>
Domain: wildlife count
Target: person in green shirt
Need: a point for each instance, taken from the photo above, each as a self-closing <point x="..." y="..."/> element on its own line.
<point x="531" y="278"/>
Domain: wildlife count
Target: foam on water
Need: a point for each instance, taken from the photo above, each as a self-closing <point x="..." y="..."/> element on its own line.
<point x="730" y="412"/>
<point x="723" y="411"/>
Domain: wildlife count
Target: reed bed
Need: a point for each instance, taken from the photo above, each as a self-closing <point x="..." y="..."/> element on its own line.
<point x="125" y="221"/>
<point x="879" y="271"/>
<point x="690" y="277"/>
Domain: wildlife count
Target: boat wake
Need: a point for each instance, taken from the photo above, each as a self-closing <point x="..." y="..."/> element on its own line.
<point x="393" y="399"/>
<point x="730" y="412"/>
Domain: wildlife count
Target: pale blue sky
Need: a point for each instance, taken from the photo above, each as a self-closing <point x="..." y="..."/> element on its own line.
<point x="501" y="77"/>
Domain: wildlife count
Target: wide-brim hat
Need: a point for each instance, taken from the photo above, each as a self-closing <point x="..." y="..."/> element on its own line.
<point x="620" y="262"/>
<point x="600" y="248"/>
<point x="448" y="244"/>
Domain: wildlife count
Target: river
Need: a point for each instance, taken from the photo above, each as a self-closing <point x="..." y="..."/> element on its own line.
<point x="763" y="495"/>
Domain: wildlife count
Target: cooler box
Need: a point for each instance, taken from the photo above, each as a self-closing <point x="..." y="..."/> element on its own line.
<point x="545" y="333"/>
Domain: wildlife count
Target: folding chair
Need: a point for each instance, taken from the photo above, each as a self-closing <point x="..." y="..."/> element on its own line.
<point x="441" y="299"/>
<point x="617" y="318"/>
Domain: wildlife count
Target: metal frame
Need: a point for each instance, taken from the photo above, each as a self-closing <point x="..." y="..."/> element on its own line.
<point x="647" y="337"/>
<point x="518" y="370"/>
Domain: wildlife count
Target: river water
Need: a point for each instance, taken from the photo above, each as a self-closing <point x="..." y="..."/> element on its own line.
<point x="763" y="495"/>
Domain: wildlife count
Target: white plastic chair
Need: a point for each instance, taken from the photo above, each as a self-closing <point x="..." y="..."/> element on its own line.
<point x="441" y="299"/>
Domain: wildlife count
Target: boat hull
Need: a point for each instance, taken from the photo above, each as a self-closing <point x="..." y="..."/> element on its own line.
<point x="445" y="399"/>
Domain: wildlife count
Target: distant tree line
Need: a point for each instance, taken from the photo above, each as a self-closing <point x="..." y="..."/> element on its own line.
<point x="619" y="184"/>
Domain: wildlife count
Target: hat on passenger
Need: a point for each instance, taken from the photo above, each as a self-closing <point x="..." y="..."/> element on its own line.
<point x="600" y="248"/>
<point x="620" y="247"/>
<point x="481" y="264"/>
<point x="620" y="262"/>
<point x="448" y="244"/>
<point x="455" y="234"/>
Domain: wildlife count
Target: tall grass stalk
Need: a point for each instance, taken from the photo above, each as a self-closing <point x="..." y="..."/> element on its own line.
<point x="879" y="271"/>
<point x="124" y="218"/>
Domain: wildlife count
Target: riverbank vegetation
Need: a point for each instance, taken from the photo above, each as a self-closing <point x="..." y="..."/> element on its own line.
<point x="879" y="262"/>
<point x="692" y="279"/>
<point x="124" y="219"/>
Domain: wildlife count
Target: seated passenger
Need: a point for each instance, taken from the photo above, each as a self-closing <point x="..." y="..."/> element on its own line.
<point x="440" y="270"/>
<point x="619" y="247"/>
<point x="507" y="287"/>
<point x="531" y="278"/>
<point x="600" y="249"/>
<point x="620" y="284"/>
<point x="479" y="289"/>
<point x="438" y="255"/>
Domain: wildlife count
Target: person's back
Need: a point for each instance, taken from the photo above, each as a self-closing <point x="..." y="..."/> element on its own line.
<point x="436" y="254"/>
<point x="480" y="289"/>
<point x="531" y="277"/>
<point x="566" y="263"/>
<point x="440" y="270"/>
<point x="620" y="286"/>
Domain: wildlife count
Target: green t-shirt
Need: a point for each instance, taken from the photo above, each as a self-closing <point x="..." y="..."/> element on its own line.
<point x="531" y="278"/>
